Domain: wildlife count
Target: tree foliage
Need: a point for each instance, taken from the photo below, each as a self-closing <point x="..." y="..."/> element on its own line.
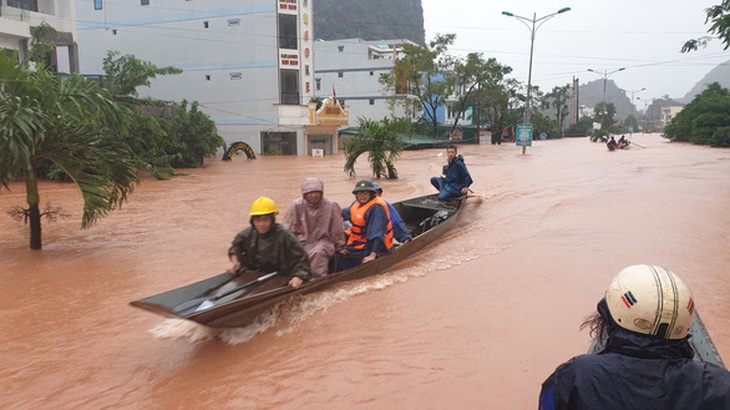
<point x="125" y="73"/>
<point x="705" y="120"/>
<point x="420" y="74"/>
<point x="380" y="140"/>
<point x="72" y="125"/>
<point x="604" y="113"/>
<point x="719" y="17"/>
<point x="558" y="99"/>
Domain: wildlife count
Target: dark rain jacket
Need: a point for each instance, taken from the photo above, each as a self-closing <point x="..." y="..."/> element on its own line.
<point x="637" y="372"/>
<point x="276" y="250"/>
<point x="456" y="175"/>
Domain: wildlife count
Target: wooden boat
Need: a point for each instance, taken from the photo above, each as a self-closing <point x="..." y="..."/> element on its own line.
<point x="701" y="342"/>
<point x="225" y="306"/>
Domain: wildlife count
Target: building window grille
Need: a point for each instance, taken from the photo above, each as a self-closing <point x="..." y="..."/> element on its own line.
<point x="289" y="85"/>
<point x="318" y="84"/>
<point x="372" y="101"/>
<point x="144" y="2"/>
<point x="98" y="5"/>
<point x="288" y="31"/>
<point x="340" y="74"/>
<point x="206" y="24"/>
<point x="207" y="77"/>
<point x="340" y="49"/>
<point x="30" y="5"/>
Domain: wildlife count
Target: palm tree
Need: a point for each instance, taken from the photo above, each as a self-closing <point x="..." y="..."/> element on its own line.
<point x="381" y="142"/>
<point x="70" y="126"/>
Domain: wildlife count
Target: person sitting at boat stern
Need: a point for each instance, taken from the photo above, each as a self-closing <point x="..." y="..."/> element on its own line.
<point x="400" y="230"/>
<point x="316" y="221"/>
<point x="266" y="246"/>
<point x="647" y="362"/>
<point x="371" y="233"/>
<point x="456" y="179"/>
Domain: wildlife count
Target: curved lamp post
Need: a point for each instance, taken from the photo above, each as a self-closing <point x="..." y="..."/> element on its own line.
<point x="532" y="26"/>
<point x="605" y="74"/>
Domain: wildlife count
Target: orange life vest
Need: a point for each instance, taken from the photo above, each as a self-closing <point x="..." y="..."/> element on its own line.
<point x="357" y="238"/>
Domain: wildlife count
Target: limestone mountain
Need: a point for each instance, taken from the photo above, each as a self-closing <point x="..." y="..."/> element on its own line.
<point x="719" y="74"/>
<point x="369" y="19"/>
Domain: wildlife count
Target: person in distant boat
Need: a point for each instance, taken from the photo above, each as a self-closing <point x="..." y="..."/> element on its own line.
<point x="647" y="363"/>
<point x="316" y="221"/>
<point x="622" y="142"/>
<point x="612" y="144"/>
<point x="456" y="179"/>
<point x="371" y="233"/>
<point x="267" y="246"/>
<point x="400" y="230"/>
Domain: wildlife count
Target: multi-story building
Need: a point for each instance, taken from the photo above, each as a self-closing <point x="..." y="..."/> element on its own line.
<point x="18" y="16"/>
<point x="351" y="69"/>
<point x="248" y="63"/>
<point x="668" y="113"/>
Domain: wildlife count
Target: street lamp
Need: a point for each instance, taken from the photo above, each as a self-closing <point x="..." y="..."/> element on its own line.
<point x="531" y="25"/>
<point x="632" y="98"/>
<point x="605" y="75"/>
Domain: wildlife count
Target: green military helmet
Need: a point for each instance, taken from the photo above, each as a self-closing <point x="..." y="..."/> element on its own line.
<point x="363" y="185"/>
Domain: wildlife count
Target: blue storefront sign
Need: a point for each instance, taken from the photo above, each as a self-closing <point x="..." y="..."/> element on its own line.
<point x="524" y="135"/>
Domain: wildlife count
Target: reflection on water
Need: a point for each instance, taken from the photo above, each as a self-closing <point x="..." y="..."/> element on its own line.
<point x="477" y="320"/>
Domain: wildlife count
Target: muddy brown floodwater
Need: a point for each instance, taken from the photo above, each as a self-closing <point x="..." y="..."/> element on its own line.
<point x="476" y="321"/>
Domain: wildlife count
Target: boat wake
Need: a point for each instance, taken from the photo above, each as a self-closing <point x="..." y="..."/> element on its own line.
<point x="290" y="314"/>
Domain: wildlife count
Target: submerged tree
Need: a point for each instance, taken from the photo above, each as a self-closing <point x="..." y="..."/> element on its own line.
<point x="71" y="124"/>
<point x="705" y="120"/>
<point x="380" y="140"/>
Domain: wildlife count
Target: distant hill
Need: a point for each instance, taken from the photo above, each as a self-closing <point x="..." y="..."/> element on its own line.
<point x="591" y="93"/>
<point x="369" y="19"/>
<point x="719" y="74"/>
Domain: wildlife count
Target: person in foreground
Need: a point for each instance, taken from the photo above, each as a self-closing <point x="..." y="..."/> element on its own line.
<point x="371" y="233"/>
<point x="456" y="179"/>
<point x="400" y="230"/>
<point x="647" y="363"/>
<point x="316" y="221"/>
<point x="267" y="246"/>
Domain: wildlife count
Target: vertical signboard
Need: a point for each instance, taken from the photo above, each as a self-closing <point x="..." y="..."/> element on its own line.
<point x="524" y="135"/>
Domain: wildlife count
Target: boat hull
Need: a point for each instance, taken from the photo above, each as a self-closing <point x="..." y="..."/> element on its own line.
<point x="418" y="213"/>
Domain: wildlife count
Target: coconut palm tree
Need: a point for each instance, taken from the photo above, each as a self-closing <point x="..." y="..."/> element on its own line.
<point x="69" y="126"/>
<point x="381" y="142"/>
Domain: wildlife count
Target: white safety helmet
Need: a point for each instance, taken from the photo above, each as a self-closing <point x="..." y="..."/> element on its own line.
<point x="651" y="300"/>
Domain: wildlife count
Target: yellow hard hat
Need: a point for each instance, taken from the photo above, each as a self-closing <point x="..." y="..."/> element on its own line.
<point x="263" y="206"/>
<point x="651" y="300"/>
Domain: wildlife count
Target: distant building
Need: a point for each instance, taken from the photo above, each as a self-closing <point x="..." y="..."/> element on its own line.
<point x="249" y="64"/>
<point x="18" y="16"/>
<point x="351" y="69"/>
<point x="668" y="113"/>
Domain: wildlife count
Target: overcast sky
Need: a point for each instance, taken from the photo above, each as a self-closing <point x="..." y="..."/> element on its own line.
<point x="644" y="36"/>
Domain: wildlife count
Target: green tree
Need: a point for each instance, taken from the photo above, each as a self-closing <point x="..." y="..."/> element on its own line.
<point x="705" y="120"/>
<point x="719" y="15"/>
<point x="72" y="124"/>
<point x="420" y="73"/>
<point x="466" y="80"/>
<point x="124" y="73"/>
<point x="604" y="113"/>
<point x="558" y="99"/>
<point x="382" y="143"/>
<point x="194" y="136"/>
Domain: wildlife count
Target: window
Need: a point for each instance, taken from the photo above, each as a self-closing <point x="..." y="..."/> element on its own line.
<point x="372" y="101"/>
<point x="340" y="74"/>
<point x="98" y="5"/>
<point x="236" y="76"/>
<point x="318" y="84"/>
<point x="288" y="31"/>
<point x="206" y="24"/>
<point x="234" y="22"/>
<point x="144" y="2"/>
<point x="30" y="5"/>
<point x="372" y="73"/>
<point x="114" y="32"/>
<point x="289" y="85"/>
<point x="207" y="77"/>
<point x="340" y="49"/>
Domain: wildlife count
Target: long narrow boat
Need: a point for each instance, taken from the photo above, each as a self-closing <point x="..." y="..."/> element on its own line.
<point x="701" y="342"/>
<point x="225" y="306"/>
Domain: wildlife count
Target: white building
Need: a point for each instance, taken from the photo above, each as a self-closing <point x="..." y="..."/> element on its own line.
<point x="351" y="69"/>
<point x="248" y="63"/>
<point x="18" y="16"/>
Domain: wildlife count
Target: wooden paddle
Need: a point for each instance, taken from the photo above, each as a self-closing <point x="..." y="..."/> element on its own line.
<point x="209" y="301"/>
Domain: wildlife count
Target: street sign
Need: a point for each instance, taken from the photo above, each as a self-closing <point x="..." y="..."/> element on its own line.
<point x="524" y="135"/>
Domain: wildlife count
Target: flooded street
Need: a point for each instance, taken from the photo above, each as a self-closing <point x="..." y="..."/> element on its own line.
<point x="476" y="321"/>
